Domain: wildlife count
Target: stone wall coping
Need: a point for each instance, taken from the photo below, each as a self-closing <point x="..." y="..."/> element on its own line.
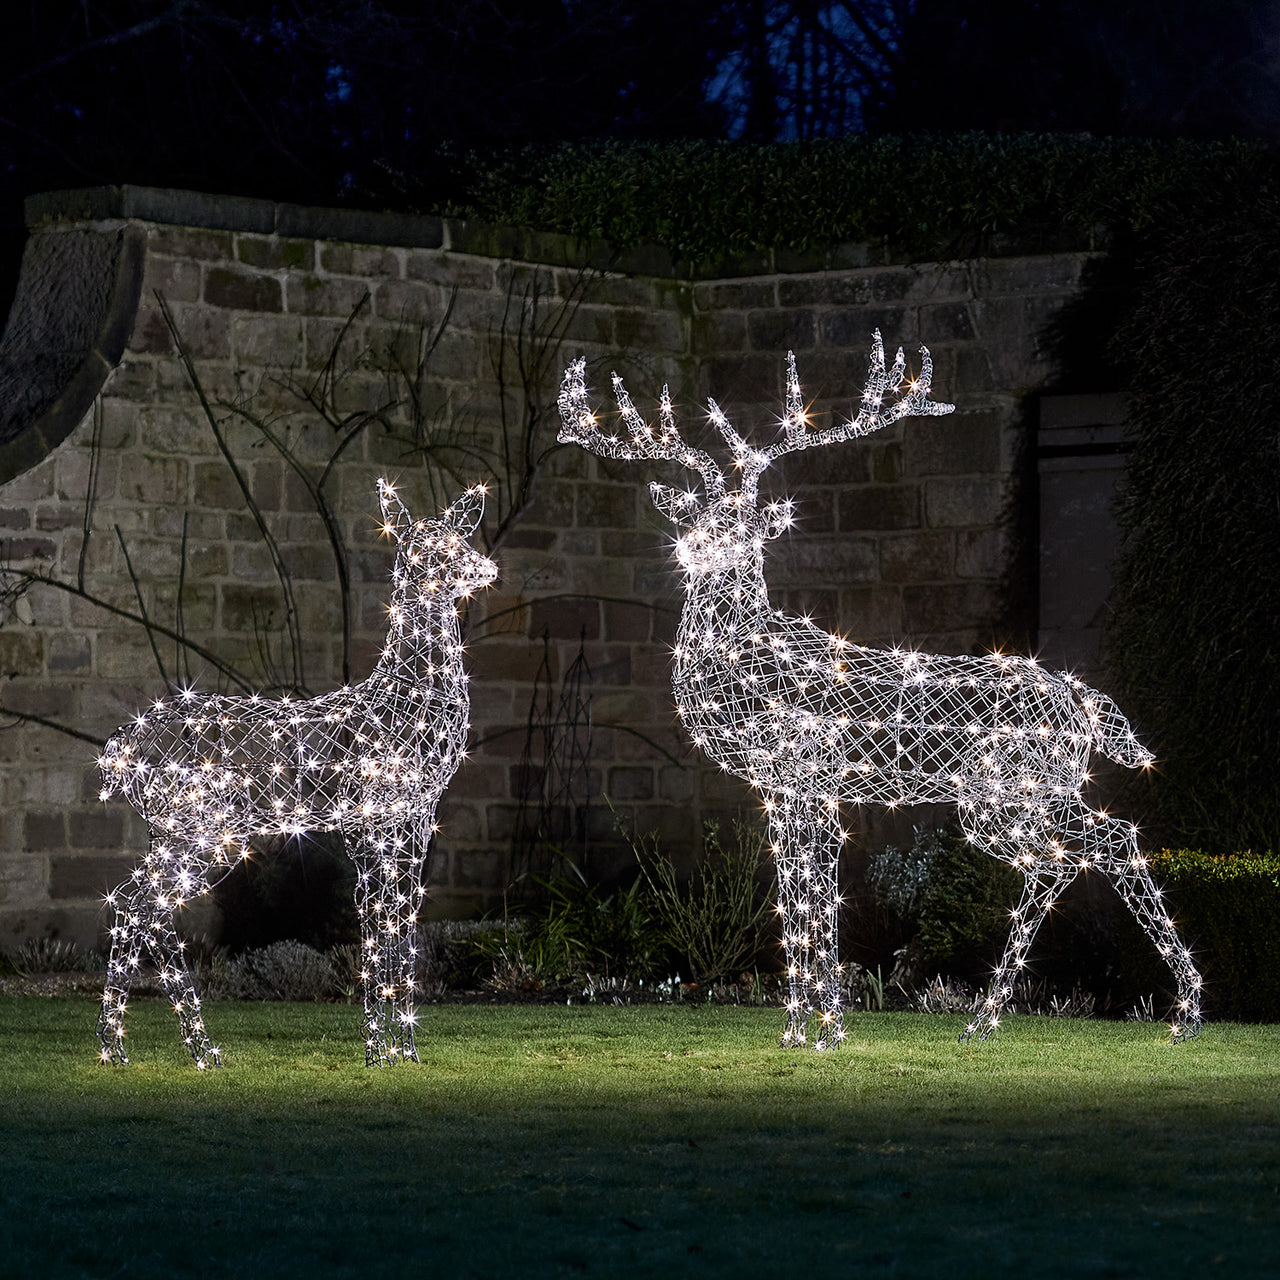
<point x="248" y="214"/>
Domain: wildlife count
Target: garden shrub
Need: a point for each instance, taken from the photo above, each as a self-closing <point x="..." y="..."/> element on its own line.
<point x="964" y="909"/>
<point x="717" y="920"/>
<point x="285" y="970"/>
<point x="1227" y="908"/>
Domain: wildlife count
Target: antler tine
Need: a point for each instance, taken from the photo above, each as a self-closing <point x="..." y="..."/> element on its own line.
<point x="872" y="416"/>
<point x="579" y="427"/>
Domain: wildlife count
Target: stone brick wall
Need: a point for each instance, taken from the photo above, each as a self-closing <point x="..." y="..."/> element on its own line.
<point x="903" y="537"/>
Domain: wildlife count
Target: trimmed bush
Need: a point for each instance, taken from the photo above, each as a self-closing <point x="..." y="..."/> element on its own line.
<point x="927" y="196"/>
<point x="1228" y="909"/>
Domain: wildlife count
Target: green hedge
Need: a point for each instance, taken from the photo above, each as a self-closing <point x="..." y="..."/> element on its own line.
<point x="925" y="195"/>
<point x="1228" y="910"/>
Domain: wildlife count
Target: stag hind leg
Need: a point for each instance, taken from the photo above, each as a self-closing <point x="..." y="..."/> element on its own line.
<point x="805" y="841"/>
<point x="1119" y="858"/>
<point x="1042" y="883"/>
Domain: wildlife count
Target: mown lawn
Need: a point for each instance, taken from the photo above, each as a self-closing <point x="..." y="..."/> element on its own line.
<point x="546" y="1141"/>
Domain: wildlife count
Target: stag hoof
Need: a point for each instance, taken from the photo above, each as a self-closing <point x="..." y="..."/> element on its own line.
<point x="1185" y="1029"/>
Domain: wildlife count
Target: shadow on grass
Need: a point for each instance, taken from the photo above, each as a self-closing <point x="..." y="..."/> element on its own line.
<point x="567" y="1141"/>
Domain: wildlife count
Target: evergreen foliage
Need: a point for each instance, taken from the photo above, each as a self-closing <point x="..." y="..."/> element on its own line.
<point x="925" y="196"/>
<point x="1228" y="906"/>
<point x="1192" y="644"/>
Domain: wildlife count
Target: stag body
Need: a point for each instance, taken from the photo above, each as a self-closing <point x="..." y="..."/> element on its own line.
<point x="212" y="774"/>
<point x="813" y="721"/>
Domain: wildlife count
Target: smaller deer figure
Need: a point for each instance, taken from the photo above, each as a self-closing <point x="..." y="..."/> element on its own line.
<point x="211" y="774"/>
<point x="814" y="722"/>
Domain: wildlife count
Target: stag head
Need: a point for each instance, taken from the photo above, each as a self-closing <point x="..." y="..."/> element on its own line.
<point x="726" y="524"/>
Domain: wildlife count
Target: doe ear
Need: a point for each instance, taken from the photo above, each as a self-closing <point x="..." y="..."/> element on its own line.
<point x="678" y="505"/>
<point x="396" y="519"/>
<point x="464" y="513"/>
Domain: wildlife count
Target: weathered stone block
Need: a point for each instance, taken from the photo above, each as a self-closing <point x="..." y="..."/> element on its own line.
<point x="70" y="653"/>
<point x="737" y="295"/>
<point x="781" y="330"/>
<point x="981" y="553"/>
<point x="822" y="561"/>
<point x="23" y="880"/>
<point x="175" y="279"/>
<point x="855" y="327"/>
<point x="606" y="506"/>
<point x="950" y="607"/>
<point x="271" y="253"/>
<point x="965" y="500"/>
<point x="271" y="341"/>
<point x="511" y="660"/>
<point x="650" y="331"/>
<point x="916" y="557"/>
<point x="565" y="619"/>
<point x="21" y="653"/>
<point x="97" y="828"/>
<point x="242" y="291"/>
<point x="871" y="614"/>
<point x="86" y="876"/>
<point x="880" y="507"/>
<point x="630" y="782"/>
<point x="42" y="832"/>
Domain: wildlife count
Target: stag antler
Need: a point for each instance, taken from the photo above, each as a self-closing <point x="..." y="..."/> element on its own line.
<point x="872" y="416"/>
<point x="579" y="427"/>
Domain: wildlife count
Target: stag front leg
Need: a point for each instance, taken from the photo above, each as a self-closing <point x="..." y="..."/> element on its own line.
<point x="805" y="840"/>
<point x="1042" y="884"/>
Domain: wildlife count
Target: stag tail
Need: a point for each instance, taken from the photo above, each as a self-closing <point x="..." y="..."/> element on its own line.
<point x="1110" y="731"/>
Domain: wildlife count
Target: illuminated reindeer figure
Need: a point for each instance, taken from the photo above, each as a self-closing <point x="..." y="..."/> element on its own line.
<point x="211" y="774"/>
<point x="813" y="721"/>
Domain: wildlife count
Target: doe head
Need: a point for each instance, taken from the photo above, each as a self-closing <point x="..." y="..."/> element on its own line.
<point x="437" y="554"/>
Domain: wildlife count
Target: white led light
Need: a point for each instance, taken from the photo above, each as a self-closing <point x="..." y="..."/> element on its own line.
<point x="813" y="721"/>
<point x="211" y="774"/>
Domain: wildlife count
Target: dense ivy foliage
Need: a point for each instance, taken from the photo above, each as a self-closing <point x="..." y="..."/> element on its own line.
<point x="1193" y="643"/>
<point x="1227" y="907"/>
<point x="926" y="196"/>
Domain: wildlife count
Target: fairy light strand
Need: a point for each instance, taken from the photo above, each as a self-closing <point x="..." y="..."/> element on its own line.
<point x="212" y="774"/>
<point x="813" y="721"/>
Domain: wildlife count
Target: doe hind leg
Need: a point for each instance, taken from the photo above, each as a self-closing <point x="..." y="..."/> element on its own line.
<point x="167" y="948"/>
<point x="1042" y="883"/>
<point x="127" y="941"/>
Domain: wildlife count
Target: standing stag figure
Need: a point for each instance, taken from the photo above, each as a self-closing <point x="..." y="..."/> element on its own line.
<point x="813" y="721"/>
<point x="211" y="774"/>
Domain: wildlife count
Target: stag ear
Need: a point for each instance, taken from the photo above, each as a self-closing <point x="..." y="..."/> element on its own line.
<point x="778" y="518"/>
<point x="678" y="505"/>
<point x="396" y="520"/>
<point x="465" y="511"/>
